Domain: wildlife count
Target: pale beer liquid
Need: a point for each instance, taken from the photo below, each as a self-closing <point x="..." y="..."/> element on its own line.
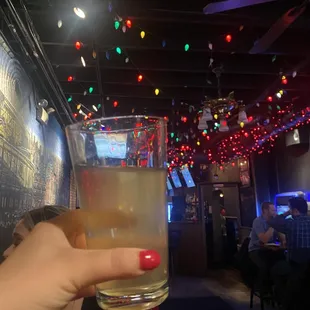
<point x="126" y="208"/>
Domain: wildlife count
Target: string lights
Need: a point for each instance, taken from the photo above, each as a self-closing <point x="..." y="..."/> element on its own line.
<point x="251" y="134"/>
<point x="79" y="12"/>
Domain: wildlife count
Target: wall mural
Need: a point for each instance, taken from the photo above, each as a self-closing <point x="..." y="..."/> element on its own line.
<point x="34" y="167"/>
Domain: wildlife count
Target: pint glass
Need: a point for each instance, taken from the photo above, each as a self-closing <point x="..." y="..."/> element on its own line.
<point x="120" y="171"/>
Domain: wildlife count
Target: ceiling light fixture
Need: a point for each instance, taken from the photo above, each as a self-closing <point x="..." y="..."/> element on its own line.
<point x="83" y="61"/>
<point x="79" y="12"/>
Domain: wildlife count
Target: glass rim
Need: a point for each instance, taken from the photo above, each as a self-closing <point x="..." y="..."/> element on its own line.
<point x="71" y="127"/>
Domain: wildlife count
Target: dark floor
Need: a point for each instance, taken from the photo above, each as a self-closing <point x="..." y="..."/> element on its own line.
<point x="223" y="283"/>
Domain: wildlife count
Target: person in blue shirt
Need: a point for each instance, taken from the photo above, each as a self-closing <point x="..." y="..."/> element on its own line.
<point x="261" y="234"/>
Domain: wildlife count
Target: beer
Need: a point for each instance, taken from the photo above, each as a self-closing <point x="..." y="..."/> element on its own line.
<point x="126" y="207"/>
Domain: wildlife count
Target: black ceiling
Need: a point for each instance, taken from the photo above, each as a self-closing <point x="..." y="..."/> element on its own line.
<point x="184" y="78"/>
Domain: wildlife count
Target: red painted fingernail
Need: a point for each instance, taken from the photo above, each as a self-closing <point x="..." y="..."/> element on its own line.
<point x="149" y="260"/>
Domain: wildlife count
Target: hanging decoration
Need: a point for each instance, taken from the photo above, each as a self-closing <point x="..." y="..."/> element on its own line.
<point x="220" y="107"/>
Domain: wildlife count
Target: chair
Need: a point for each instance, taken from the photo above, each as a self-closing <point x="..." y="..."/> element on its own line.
<point x="249" y="274"/>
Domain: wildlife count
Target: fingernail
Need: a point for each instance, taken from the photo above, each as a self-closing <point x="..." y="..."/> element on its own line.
<point x="149" y="260"/>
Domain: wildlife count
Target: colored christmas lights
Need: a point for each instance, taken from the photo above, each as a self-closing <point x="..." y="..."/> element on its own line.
<point x="228" y="38"/>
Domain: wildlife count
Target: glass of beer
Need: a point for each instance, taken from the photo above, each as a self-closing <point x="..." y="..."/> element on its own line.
<point x="120" y="171"/>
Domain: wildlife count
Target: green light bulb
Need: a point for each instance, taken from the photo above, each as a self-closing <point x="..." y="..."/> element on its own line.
<point x="118" y="50"/>
<point x="177" y="139"/>
<point x="172" y="135"/>
<point x="70" y="99"/>
<point x="90" y="90"/>
<point x="116" y="24"/>
<point x="186" y="47"/>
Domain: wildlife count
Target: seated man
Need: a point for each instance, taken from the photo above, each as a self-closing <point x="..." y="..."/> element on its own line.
<point x="261" y="234"/>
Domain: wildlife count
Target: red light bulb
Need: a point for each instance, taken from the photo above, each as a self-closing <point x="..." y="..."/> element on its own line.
<point x="70" y="78"/>
<point x="78" y="45"/>
<point x="228" y="38"/>
<point x="269" y="98"/>
<point x="128" y="23"/>
<point x="284" y="81"/>
<point x="115" y="104"/>
<point x="140" y="78"/>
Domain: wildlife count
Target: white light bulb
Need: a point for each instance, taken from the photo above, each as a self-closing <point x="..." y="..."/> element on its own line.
<point x="80" y="13"/>
<point x="83" y="61"/>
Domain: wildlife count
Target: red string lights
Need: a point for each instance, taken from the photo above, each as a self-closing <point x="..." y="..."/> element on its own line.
<point x="228" y="38"/>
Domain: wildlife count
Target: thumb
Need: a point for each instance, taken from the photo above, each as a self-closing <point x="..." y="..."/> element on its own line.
<point x="89" y="267"/>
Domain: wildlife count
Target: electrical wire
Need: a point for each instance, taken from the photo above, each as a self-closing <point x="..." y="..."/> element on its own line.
<point x="35" y="36"/>
<point x="29" y="41"/>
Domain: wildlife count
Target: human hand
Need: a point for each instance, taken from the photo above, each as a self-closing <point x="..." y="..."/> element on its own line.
<point x="43" y="275"/>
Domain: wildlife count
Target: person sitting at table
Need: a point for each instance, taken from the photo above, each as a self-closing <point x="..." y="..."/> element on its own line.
<point x="261" y="234"/>
<point x="297" y="231"/>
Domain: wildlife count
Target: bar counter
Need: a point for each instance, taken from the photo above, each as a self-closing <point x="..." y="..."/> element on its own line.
<point x="190" y="254"/>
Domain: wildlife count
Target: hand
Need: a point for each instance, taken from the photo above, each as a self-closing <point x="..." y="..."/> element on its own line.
<point x="287" y="213"/>
<point x="46" y="272"/>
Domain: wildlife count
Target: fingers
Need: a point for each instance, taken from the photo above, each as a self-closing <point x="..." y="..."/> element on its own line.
<point x="89" y="267"/>
<point x="86" y="292"/>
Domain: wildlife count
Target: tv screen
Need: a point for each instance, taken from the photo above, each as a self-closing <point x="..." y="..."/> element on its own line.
<point x="169" y="186"/>
<point x="175" y="178"/>
<point x="282" y="209"/>
<point x="111" y="145"/>
<point x="188" y="178"/>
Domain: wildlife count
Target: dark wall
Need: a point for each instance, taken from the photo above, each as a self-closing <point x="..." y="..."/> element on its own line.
<point x="293" y="165"/>
<point x="264" y="176"/>
<point x="285" y="169"/>
<point x="34" y="167"/>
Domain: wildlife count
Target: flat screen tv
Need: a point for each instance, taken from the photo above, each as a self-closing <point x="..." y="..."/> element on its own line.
<point x="175" y="178"/>
<point x="188" y="178"/>
<point x="169" y="186"/>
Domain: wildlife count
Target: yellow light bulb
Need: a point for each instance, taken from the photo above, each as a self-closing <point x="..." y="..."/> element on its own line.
<point x="281" y="92"/>
<point x="198" y="142"/>
<point x="142" y="34"/>
<point x="156" y="91"/>
<point x="78" y="106"/>
<point x="242" y="124"/>
<point x="215" y="116"/>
